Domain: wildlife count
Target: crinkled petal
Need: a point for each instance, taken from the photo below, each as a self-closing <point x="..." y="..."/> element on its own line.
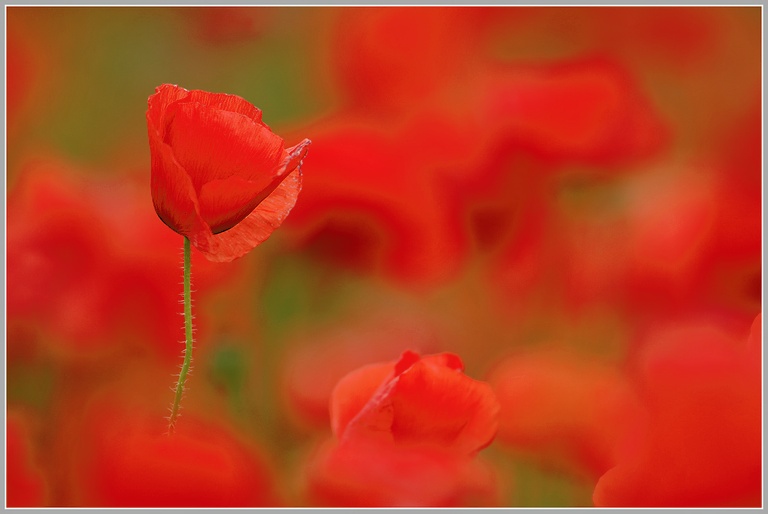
<point x="164" y="96"/>
<point x="212" y="144"/>
<point x="255" y="228"/>
<point x="232" y="103"/>
<point x="224" y="203"/>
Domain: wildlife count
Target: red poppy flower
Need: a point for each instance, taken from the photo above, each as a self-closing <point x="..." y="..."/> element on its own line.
<point x="220" y="176"/>
<point x="701" y="445"/>
<point x="416" y="400"/>
<point x="407" y="433"/>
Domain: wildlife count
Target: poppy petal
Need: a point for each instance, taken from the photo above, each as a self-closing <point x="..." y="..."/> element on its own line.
<point x="426" y="400"/>
<point x="213" y="144"/>
<point x="173" y="195"/>
<point x="353" y="392"/>
<point x="225" y="102"/>
<point x="442" y="404"/>
<point x="158" y="103"/>
<point x="256" y="227"/>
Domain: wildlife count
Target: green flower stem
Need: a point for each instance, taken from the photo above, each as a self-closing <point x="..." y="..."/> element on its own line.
<point x="188" y="333"/>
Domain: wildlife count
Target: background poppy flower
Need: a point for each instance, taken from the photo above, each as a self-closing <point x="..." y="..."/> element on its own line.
<point x="588" y="110"/>
<point x="419" y="400"/>
<point x="700" y="445"/>
<point x="124" y="458"/>
<point x="541" y="394"/>
<point x="220" y="176"/>
<point x="365" y="473"/>
<point x="74" y="287"/>
<point x="407" y="432"/>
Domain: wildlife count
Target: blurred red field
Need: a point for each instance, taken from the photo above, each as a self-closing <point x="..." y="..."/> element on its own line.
<point x="524" y="268"/>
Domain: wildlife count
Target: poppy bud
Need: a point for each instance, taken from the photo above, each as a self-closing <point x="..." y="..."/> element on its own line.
<point x="220" y="176"/>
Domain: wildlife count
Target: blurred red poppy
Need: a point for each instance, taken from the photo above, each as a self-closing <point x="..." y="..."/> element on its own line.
<point x="563" y="409"/>
<point x="407" y="433"/>
<point x="375" y="202"/>
<point x="392" y="59"/>
<point x="126" y="460"/>
<point x="701" y="445"/>
<point x="416" y="400"/>
<point x="86" y="259"/>
<point x="696" y="246"/>
<point x="589" y="110"/>
<point x="220" y="176"/>
<point x="365" y="473"/>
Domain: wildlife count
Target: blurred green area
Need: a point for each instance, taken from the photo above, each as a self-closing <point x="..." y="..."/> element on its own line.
<point x="101" y="64"/>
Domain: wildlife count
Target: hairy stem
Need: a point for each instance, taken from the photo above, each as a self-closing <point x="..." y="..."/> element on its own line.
<point x="188" y="333"/>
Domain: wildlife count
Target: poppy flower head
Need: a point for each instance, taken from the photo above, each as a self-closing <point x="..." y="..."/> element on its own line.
<point x="220" y="176"/>
<point x="701" y="444"/>
<point x="414" y="401"/>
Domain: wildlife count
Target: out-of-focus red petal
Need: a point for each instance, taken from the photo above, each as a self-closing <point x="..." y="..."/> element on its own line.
<point x="702" y="444"/>
<point x="588" y="110"/>
<point x="392" y="59"/>
<point x="440" y="404"/>
<point x="425" y="401"/>
<point x="563" y="409"/>
<point x="126" y="460"/>
<point x="212" y="144"/>
<point x="364" y="473"/>
<point x="374" y="204"/>
<point x="353" y="392"/>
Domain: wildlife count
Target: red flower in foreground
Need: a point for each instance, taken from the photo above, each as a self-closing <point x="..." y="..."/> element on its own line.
<point x="407" y="435"/>
<point x="220" y="176"/>
<point x="701" y="446"/>
<point x="419" y="400"/>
